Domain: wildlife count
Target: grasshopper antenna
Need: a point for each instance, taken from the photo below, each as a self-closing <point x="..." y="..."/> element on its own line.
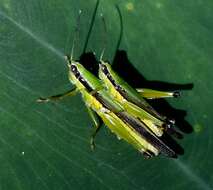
<point x="91" y="25"/>
<point x="121" y="30"/>
<point x="76" y="32"/>
<point x="105" y="37"/>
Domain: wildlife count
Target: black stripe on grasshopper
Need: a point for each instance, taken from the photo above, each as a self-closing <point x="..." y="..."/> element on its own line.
<point x="134" y="123"/>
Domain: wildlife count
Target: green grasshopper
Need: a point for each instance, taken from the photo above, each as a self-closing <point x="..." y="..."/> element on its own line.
<point x="100" y="103"/>
<point x="133" y="99"/>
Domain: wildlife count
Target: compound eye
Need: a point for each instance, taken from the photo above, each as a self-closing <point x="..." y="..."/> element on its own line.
<point x="103" y="68"/>
<point x="73" y="68"/>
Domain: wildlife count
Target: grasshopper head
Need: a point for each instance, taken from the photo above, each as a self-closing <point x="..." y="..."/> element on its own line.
<point x="72" y="65"/>
<point x="105" y="66"/>
<point x="105" y="70"/>
<point x="73" y="68"/>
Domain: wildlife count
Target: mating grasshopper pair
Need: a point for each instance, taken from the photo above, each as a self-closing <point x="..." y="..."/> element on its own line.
<point x="122" y="108"/>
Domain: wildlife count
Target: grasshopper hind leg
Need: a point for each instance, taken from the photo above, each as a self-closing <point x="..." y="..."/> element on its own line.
<point x="155" y="94"/>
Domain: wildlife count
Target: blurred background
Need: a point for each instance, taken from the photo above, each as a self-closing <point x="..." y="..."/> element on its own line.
<point x="165" y="45"/>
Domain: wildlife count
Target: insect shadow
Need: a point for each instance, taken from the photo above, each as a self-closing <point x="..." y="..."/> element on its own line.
<point x="126" y="70"/>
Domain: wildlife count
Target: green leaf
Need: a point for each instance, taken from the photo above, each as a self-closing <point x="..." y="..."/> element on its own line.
<point x="46" y="146"/>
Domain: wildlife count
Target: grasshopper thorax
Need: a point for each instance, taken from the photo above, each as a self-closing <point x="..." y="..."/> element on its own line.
<point x="72" y="65"/>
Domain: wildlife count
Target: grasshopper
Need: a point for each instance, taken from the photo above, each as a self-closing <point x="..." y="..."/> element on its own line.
<point x="100" y="103"/>
<point x="133" y="100"/>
